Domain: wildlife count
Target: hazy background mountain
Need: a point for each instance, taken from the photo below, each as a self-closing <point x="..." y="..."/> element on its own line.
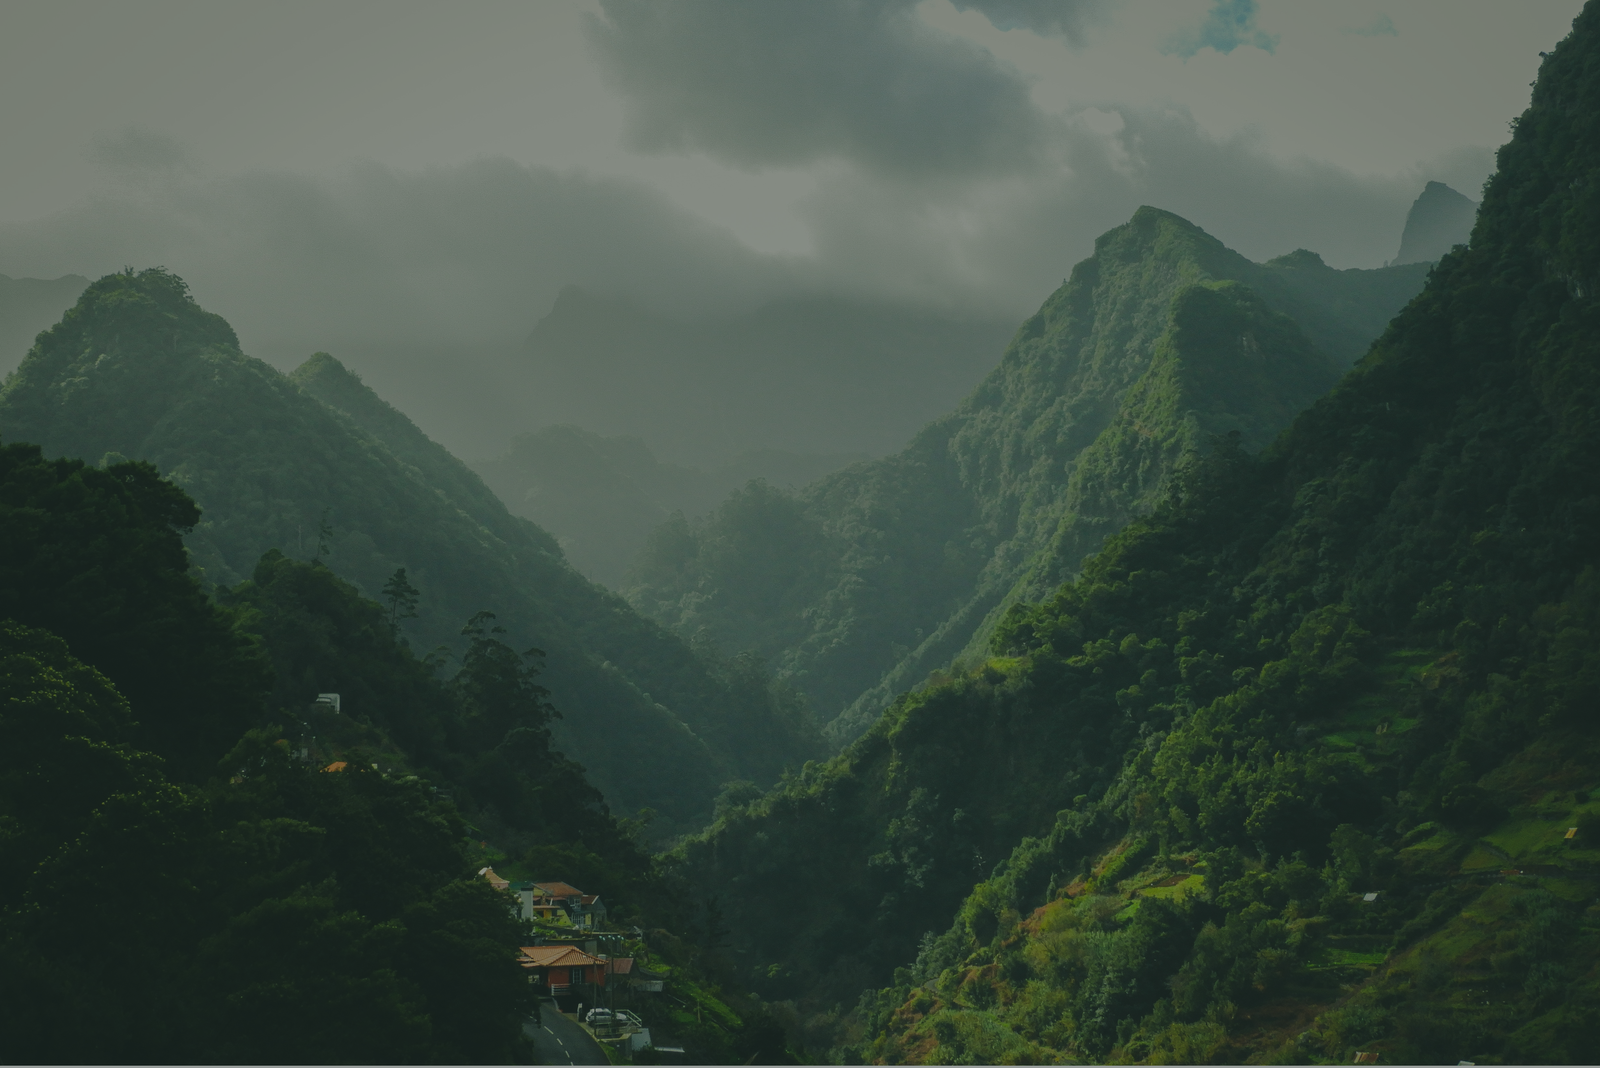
<point x="29" y="306"/>
<point x="800" y="374"/>
<point x="1439" y="219"/>
<point x="601" y="497"/>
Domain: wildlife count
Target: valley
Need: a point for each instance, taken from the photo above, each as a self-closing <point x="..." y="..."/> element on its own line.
<point x="1212" y="680"/>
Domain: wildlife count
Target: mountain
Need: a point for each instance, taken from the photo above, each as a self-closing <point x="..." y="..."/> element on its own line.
<point x="870" y="578"/>
<point x="1439" y="220"/>
<point x="320" y="467"/>
<point x="807" y="375"/>
<point x="29" y="305"/>
<point x="1303" y="764"/>
<point x="601" y="497"/>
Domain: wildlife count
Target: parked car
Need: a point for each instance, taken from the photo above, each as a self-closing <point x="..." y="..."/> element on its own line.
<point x="598" y="1016"/>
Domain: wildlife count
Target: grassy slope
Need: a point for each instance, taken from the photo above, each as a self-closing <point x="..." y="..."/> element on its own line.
<point x="140" y="371"/>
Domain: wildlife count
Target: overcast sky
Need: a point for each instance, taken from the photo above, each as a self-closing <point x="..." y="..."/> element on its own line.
<point x="330" y="174"/>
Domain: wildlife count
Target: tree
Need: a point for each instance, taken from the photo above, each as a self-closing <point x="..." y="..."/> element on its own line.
<point x="97" y="558"/>
<point x="402" y="597"/>
<point x="496" y="685"/>
<point x="324" y="535"/>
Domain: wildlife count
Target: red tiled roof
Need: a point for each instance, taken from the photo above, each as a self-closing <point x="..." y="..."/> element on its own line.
<point x="494" y="880"/>
<point x="556" y="957"/>
<point x="337" y="765"/>
<point x="559" y="889"/>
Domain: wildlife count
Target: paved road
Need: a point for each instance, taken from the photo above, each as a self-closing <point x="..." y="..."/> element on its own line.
<point x="558" y="1040"/>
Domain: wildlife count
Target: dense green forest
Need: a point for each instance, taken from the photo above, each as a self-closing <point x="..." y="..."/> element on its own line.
<point x="200" y="866"/>
<point x="1303" y="764"/>
<point x="178" y="884"/>
<point x="865" y="581"/>
<point x="317" y="466"/>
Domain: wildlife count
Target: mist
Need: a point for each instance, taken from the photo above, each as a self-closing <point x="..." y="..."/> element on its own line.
<point x="909" y="160"/>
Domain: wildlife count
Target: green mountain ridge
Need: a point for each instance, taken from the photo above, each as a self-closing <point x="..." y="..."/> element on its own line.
<point x="1303" y="764"/>
<point x="137" y="370"/>
<point x="870" y="578"/>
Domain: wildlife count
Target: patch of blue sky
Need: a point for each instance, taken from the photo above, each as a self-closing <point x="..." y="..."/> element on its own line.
<point x="1228" y="25"/>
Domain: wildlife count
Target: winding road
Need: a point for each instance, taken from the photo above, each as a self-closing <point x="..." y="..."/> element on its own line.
<point x="560" y="1041"/>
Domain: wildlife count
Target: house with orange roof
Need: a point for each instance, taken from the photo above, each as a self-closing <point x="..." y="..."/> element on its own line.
<point x="494" y="880"/>
<point x="563" y="971"/>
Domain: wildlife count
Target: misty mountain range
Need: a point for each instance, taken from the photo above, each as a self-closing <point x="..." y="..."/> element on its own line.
<point x="861" y="584"/>
<point x="605" y="496"/>
<point x="786" y="392"/>
<point x="599" y="508"/>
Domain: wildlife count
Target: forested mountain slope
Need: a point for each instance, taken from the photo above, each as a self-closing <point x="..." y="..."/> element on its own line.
<point x="271" y="861"/>
<point x="870" y="578"/>
<point x="137" y="370"/>
<point x="151" y="800"/>
<point x="1305" y="763"/>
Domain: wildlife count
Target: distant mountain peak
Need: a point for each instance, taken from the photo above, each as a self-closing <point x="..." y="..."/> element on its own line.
<point x="1439" y="219"/>
<point x="1301" y="259"/>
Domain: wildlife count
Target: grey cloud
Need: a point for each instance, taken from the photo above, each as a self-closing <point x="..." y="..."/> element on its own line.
<point x="786" y="84"/>
<point x="474" y="252"/>
<point x="139" y="151"/>
<point x="1006" y="244"/>
<point x="1381" y="26"/>
<point x="1066" y="19"/>
<point x="429" y="282"/>
<point x="425" y="282"/>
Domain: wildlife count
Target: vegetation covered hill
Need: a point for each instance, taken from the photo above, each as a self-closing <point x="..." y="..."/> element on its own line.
<point x="868" y="579"/>
<point x="317" y="466"/>
<point x="1305" y="763"/>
